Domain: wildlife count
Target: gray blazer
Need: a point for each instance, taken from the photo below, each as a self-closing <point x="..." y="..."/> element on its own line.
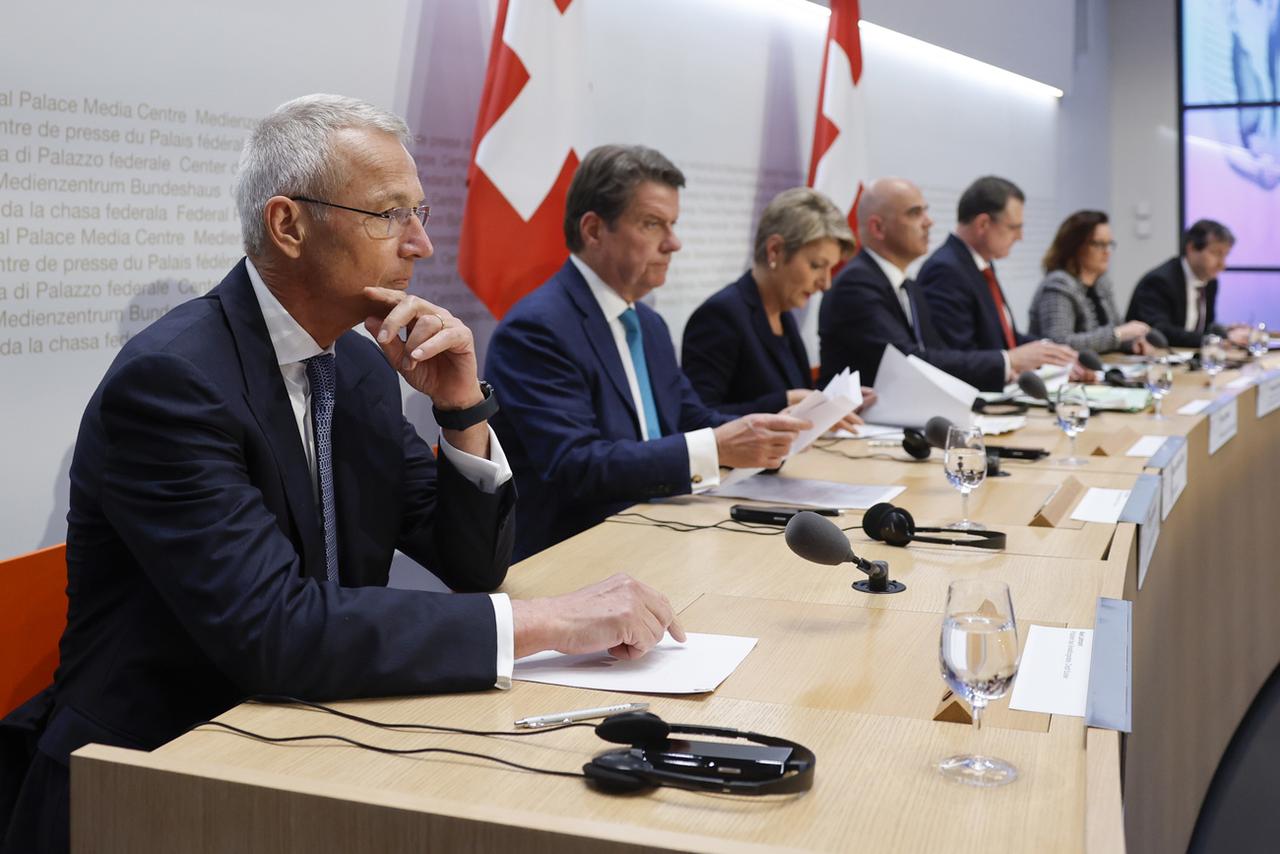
<point x="1062" y="311"/>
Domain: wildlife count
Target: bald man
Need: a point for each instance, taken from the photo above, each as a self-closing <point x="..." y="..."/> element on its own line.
<point x="873" y="303"/>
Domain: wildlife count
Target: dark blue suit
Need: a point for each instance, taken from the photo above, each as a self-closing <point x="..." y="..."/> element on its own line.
<point x="960" y="298"/>
<point x="568" y="423"/>
<point x="735" y="362"/>
<point x="861" y="315"/>
<point x="195" y="553"/>
<point x="1160" y="301"/>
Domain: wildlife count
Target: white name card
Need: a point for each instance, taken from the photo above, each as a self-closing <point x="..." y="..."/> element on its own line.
<point x="1222" y="425"/>
<point x="1268" y="396"/>
<point x="1173" y="480"/>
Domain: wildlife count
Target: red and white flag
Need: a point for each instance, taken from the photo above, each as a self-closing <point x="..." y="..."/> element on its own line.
<point x="524" y="151"/>
<point x="839" y="161"/>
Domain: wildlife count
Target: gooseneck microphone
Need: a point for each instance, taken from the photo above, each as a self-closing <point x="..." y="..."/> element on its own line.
<point x="935" y="430"/>
<point x="1156" y="338"/>
<point x="816" y="538"/>
<point x="1032" y="385"/>
<point x="1090" y="360"/>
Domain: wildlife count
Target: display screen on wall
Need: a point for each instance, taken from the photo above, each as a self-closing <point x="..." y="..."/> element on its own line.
<point x="1230" y="106"/>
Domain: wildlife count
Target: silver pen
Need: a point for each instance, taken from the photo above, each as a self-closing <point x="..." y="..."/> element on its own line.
<point x="579" y="715"/>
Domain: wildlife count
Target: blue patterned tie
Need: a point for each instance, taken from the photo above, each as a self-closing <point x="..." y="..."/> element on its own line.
<point x="321" y="375"/>
<point x="631" y="323"/>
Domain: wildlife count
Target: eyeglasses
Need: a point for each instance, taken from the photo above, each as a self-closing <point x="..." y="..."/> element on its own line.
<point x="1109" y="245"/>
<point x="385" y="224"/>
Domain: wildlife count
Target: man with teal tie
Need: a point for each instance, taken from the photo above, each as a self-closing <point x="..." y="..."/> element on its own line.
<point x="596" y="413"/>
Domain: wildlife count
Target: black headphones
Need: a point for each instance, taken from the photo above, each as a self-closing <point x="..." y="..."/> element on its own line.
<point x="778" y="767"/>
<point x="894" y="525"/>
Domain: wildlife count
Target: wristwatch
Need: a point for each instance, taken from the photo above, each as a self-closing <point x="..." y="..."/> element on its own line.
<point x="461" y="419"/>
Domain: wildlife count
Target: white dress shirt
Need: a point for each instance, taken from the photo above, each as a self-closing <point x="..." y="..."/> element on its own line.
<point x="1193" y="296"/>
<point x="704" y="459"/>
<point x="293" y="345"/>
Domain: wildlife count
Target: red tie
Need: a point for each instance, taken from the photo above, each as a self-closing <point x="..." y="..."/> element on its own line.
<point x="989" y="274"/>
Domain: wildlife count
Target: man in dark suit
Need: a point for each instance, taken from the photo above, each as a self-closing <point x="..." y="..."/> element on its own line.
<point x="959" y="279"/>
<point x="1179" y="296"/>
<point x="244" y="473"/>
<point x="873" y="302"/>
<point x="596" y="411"/>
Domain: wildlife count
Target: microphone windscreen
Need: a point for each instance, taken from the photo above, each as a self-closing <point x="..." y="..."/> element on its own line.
<point x="1090" y="360"/>
<point x="1156" y="338"/>
<point x="1032" y="385"/>
<point x="935" y="430"/>
<point x="817" y="538"/>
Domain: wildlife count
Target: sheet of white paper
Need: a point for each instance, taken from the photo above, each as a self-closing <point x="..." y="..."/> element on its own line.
<point x="807" y="493"/>
<point x="1101" y="505"/>
<point x="995" y="425"/>
<point x="846" y="384"/>
<point x="1053" y="677"/>
<point x="1145" y="447"/>
<point x="694" y="667"/>
<point x="910" y="391"/>
<point x="1195" y="407"/>
<point x="875" y="431"/>
<point x="1240" y="382"/>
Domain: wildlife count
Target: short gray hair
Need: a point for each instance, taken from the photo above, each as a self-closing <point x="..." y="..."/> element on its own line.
<point x="290" y="153"/>
<point x="802" y="215"/>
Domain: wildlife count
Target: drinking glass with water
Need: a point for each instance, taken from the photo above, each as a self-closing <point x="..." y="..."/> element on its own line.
<point x="1073" y="416"/>
<point x="965" y="463"/>
<point x="1159" y="382"/>
<point x="1213" y="356"/>
<point x="978" y="653"/>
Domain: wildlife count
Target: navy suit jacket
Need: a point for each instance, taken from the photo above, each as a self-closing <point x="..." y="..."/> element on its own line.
<point x="1160" y="301"/>
<point x="735" y="362"/>
<point x="195" y="553"/>
<point x="861" y="315"/>
<point x="960" y="298"/>
<point x="568" y="423"/>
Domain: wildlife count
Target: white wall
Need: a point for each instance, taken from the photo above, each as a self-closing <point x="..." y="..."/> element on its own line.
<point x="727" y="87"/>
<point x="1144" y="139"/>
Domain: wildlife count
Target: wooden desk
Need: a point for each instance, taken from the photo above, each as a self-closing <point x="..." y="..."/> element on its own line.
<point x="851" y="676"/>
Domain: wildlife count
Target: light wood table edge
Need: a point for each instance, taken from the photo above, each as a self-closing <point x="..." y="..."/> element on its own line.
<point x="155" y="802"/>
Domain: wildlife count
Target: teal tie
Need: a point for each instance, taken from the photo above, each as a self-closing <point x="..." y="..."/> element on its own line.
<point x="635" y="343"/>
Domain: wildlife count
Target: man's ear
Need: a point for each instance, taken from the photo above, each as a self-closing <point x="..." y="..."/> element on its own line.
<point x="590" y="226"/>
<point x="285" y="229"/>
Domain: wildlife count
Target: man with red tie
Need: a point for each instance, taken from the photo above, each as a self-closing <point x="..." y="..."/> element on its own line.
<point x="960" y="284"/>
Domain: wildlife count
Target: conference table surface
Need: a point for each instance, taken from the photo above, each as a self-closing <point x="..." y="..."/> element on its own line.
<point x="852" y="676"/>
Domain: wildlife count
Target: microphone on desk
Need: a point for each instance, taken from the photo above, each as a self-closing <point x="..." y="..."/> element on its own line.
<point x="1156" y="338"/>
<point x="816" y="538"/>
<point x="1032" y="385"/>
<point x="919" y="444"/>
<point x="1116" y="378"/>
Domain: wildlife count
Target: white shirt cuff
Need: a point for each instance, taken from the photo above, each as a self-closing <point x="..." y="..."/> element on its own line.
<point x="485" y="475"/>
<point x="1008" y="369"/>
<point x="506" y="638"/>
<point x="704" y="459"/>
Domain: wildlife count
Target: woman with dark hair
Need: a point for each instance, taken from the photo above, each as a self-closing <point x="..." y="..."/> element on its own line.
<point x="742" y="347"/>
<point x="1074" y="305"/>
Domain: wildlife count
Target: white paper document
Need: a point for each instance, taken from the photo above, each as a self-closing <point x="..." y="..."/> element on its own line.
<point x="1145" y="447"/>
<point x="1195" y="407"/>
<point x="807" y="493"/>
<point x="996" y="425"/>
<point x="1101" y="505"/>
<point x="694" y="667"/>
<point x="1240" y="382"/>
<point x="910" y="391"/>
<point x="1053" y="677"/>
<point x="823" y="409"/>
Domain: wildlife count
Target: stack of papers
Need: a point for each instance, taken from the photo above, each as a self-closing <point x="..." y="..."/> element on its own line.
<point x="910" y="391"/>
<point x="698" y="665"/>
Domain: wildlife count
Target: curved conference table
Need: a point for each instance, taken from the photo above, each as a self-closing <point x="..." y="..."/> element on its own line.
<point x="854" y="677"/>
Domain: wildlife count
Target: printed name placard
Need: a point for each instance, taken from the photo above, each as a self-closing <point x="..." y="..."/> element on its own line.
<point x="1173" y="480"/>
<point x="1222" y="425"/>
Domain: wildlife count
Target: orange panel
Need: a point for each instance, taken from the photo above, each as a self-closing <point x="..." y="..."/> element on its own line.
<point x="33" y="613"/>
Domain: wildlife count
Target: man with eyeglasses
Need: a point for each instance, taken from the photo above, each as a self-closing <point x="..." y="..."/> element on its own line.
<point x="959" y="280"/>
<point x="1180" y="296"/>
<point x="244" y="474"/>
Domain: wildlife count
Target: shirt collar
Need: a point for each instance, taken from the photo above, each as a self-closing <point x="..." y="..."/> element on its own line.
<point x="982" y="263"/>
<point x="611" y="305"/>
<point x="894" y="273"/>
<point x="291" y="342"/>
<point x="1192" y="281"/>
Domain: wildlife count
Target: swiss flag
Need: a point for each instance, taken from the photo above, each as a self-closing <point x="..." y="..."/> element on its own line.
<point x="839" y="160"/>
<point x="524" y="154"/>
